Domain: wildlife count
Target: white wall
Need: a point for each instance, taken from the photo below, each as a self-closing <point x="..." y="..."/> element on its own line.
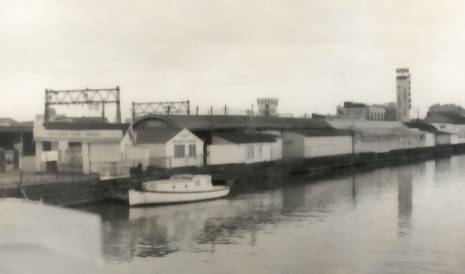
<point x="293" y="145"/>
<point x="300" y="146"/>
<point x="430" y="139"/>
<point x="327" y="146"/>
<point x="380" y="143"/>
<point x="135" y="155"/>
<point x="457" y="131"/>
<point x="221" y="154"/>
<point x="186" y="138"/>
<point x="277" y="150"/>
<point x="103" y="153"/>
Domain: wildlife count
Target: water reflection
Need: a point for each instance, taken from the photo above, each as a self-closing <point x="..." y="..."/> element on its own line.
<point x="378" y="221"/>
<point x="405" y="192"/>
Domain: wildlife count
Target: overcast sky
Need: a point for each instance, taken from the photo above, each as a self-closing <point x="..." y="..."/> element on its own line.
<point x="311" y="54"/>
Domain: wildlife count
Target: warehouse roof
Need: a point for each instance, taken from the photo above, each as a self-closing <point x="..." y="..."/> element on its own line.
<point x="217" y="122"/>
<point x="319" y="132"/>
<point x="242" y="137"/>
<point x="156" y="136"/>
<point x="421" y="125"/>
<point x="85" y="126"/>
<point x="445" y="117"/>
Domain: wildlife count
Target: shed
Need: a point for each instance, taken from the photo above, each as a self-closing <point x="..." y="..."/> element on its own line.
<point x="236" y="147"/>
<point x="439" y="137"/>
<point x="316" y="143"/>
<point x="167" y="148"/>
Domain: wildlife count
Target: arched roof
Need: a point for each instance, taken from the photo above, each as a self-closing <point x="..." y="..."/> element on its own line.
<point x="232" y="122"/>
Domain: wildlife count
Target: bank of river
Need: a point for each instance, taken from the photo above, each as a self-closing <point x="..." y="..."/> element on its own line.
<point x="404" y="219"/>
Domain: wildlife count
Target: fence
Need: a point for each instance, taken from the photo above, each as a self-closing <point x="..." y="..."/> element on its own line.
<point x="112" y="170"/>
<point x="174" y="162"/>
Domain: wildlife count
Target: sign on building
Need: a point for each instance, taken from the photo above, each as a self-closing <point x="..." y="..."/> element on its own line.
<point x="267" y="106"/>
<point x="49" y="156"/>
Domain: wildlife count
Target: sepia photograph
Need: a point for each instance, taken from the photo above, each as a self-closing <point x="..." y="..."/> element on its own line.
<point x="232" y="136"/>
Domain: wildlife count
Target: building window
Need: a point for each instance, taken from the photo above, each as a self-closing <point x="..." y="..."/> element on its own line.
<point x="260" y="153"/>
<point x="250" y="151"/>
<point x="179" y="151"/>
<point x="192" y="150"/>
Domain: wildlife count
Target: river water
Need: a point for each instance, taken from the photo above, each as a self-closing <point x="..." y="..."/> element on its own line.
<point x="408" y="219"/>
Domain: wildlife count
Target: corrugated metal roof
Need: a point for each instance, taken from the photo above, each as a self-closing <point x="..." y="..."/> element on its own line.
<point x="241" y="137"/>
<point x="85" y="126"/>
<point x="156" y="136"/>
<point x="207" y="122"/>
<point x="319" y="132"/>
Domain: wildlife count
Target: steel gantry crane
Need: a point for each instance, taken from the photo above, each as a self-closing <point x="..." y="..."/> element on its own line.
<point x="83" y="97"/>
<point x="164" y="108"/>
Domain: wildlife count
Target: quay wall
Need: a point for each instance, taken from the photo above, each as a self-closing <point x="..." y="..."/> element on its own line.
<point x="92" y="190"/>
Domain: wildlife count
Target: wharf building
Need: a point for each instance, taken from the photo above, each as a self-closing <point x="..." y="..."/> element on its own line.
<point x="80" y="145"/>
<point x="360" y="111"/>
<point x="225" y="140"/>
<point x="450" y="122"/>
<point x="16" y="145"/>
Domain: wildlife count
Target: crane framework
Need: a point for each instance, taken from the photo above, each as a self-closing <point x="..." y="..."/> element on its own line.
<point x="83" y="97"/>
<point x="167" y="108"/>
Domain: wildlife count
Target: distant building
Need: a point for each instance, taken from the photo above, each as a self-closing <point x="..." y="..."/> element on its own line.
<point x="360" y="111"/>
<point x="16" y="145"/>
<point x="450" y="122"/>
<point x="267" y="106"/>
<point x="451" y="108"/>
<point x="391" y="111"/>
<point x="403" y="94"/>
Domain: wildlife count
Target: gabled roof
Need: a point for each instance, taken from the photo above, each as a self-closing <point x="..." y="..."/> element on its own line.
<point x="242" y="137"/>
<point x="234" y="122"/>
<point x="156" y="136"/>
<point x="449" y="117"/>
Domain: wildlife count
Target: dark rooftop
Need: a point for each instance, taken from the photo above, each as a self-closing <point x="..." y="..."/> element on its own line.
<point x="219" y="122"/>
<point x="354" y="105"/>
<point x="242" y="137"/>
<point x="10" y="125"/>
<point x="319" y="132"/>
<point x="449" y="117"/>
<point x="85" y="126"/>
<point x="156" y="136"/>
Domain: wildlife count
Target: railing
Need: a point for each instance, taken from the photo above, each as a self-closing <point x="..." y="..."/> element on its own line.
<point x="173" y="162"/>
<point x="113" y="170"/>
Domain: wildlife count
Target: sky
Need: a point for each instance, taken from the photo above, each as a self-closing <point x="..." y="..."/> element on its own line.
<point x="311" y="54"/>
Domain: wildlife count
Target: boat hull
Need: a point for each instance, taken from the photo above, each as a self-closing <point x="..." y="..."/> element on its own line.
<point x="165" y="197"/>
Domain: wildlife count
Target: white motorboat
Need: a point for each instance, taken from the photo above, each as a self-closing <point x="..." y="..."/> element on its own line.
<point x="177" y="189"/>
